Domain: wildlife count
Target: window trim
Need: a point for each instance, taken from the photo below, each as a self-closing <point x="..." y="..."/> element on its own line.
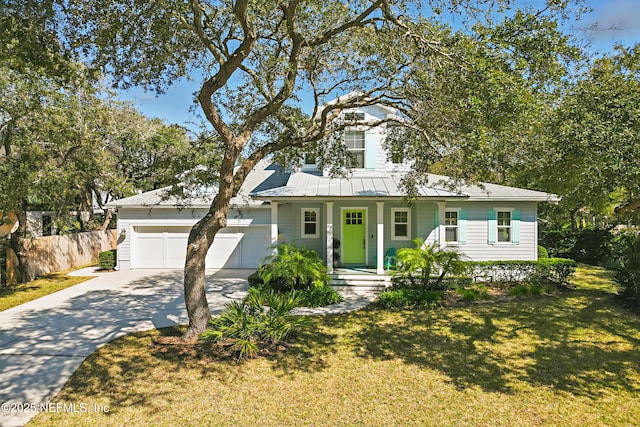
<point x="457" y="226"/>
<point x="393" y="224"/>
<point x="498" y="227"/>
<point x="362" y="150"/>
<point x="303" y="222"/>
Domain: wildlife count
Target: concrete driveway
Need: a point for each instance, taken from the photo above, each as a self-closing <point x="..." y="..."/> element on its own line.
<point x="44" y="341"/>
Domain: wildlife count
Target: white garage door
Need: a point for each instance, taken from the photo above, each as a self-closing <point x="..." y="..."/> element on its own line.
<point x="233" y="247"/>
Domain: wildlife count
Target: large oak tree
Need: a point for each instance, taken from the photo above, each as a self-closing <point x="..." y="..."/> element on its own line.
<point x="262" y="61"/>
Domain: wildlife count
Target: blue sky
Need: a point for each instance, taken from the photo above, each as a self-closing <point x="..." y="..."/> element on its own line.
<point x="618" y="22"/>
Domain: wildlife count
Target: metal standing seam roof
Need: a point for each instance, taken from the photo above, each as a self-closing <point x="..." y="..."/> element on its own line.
<point x="268" y="182"/>
<point x="304" y="184"/>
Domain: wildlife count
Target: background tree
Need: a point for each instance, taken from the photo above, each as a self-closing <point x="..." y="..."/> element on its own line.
<point x="590" y="151"/>
<point x="64" y="148"/>
<point x="258" y="59"/>
<point x="478" y="113"/>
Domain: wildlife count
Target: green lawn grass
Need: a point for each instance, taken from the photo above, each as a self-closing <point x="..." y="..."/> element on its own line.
<point x="568" y="360"/>
<point x="11" y="296"/>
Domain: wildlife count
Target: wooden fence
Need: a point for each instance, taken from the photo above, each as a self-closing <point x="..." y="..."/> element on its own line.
<point x="58" y="253"/>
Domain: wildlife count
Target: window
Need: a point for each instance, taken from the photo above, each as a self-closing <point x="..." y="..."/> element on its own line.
<point x="354" y="140"/>
<point x="310" y="222"/>
<point x="354" y="117"/>
<point x="353" y="218"/>
<point x="401" y="227"/>
<point x="504" y="226"/>
<point x="451" y="226"/>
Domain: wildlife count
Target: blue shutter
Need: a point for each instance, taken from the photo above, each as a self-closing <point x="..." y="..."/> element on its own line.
<point x="492" y="224"/>
<point x="462" y="226"/>
<point x="436" y="228"/>
<point x="370" y="150"/>
<point x="515" y="227"/>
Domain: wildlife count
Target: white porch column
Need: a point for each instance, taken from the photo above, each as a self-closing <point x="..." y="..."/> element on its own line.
<point x="380" y="239"/>
<point x="329" y="216"/>
<point x="274" y="225"/>
<point x="441" y="231"/>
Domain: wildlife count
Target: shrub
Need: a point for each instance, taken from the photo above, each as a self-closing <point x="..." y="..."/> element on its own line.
<point x="473" y="293"/>
<point x="315" y="296"/>
<point x="542" y="252"/>
<point x="416" y="265"/>
<point x="319" y="296"/>
<point x="627" y="271"/>
<point x="293" y="267"/>
<point x="254" y="279"/>
<point x="249" y="328"/>
<point x="546" y="270"/>
<point x="591" y="246"/>
<point x="554" y="270"/>
<point x="107" y="260"/>
<point x="502" y="271"/>
<point x="529" y="289"/>
<point x="434" y="283"/>
<point x="408" y="298"/>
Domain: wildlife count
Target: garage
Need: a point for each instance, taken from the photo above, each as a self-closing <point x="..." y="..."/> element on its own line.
<point x="233" y="247"/>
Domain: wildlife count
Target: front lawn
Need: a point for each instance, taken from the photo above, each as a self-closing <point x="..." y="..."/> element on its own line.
<point x="14" y="295"/>
<point x="569" y="359"/>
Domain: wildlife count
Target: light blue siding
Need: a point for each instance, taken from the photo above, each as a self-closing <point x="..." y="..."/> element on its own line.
<point x="462" y="227"/>
<point x="492" y="226"/>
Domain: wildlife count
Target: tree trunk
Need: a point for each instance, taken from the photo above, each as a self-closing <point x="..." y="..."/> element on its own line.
<point x="200" y="240"/>
<point x="16" y="244"/>
<point x="107" y="220"/>
<point x="573" y="219"/>
<point x="194" y="279"/>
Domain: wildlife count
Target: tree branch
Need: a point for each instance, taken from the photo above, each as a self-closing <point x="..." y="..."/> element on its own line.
<point x="227" y="68"/>
<point x="359" y="21"/>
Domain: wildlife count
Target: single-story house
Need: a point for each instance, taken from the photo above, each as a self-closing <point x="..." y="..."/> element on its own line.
<point x="349" y="221"/>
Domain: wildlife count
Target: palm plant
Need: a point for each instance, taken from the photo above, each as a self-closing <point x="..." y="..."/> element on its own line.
<point x="419" y="264"/>
<point x="294" y="267"/>
<point x="260" y="322"/>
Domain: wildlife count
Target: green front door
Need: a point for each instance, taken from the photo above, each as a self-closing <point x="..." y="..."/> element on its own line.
<point x="354" y="237"/>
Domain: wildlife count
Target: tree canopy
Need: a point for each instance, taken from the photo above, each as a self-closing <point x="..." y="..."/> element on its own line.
<point x="63" y="143"/>
<point x="260" y="60"/>
<point x="590" y="151"/>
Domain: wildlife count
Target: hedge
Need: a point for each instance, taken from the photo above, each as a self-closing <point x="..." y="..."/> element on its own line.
<point x="545" y="270"/>
<point x="450" y="282"/>
<point x="107" y="260"/>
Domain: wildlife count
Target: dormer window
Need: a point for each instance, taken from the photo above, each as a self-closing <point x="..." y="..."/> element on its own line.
<point x="354" y="116"/>
<point x="354" y="140"/>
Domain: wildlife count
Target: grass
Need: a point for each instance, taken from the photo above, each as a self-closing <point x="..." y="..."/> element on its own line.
<point x="569" y="359"/>
<point x="14" y="295"/>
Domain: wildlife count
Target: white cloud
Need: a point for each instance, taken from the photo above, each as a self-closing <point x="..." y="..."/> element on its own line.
<point x="617" y="18"/>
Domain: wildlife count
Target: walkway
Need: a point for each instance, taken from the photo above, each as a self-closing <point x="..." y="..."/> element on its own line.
<point x="44" y="341"/>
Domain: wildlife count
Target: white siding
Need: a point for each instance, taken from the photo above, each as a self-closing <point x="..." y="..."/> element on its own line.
<point x="131" y="218"/>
